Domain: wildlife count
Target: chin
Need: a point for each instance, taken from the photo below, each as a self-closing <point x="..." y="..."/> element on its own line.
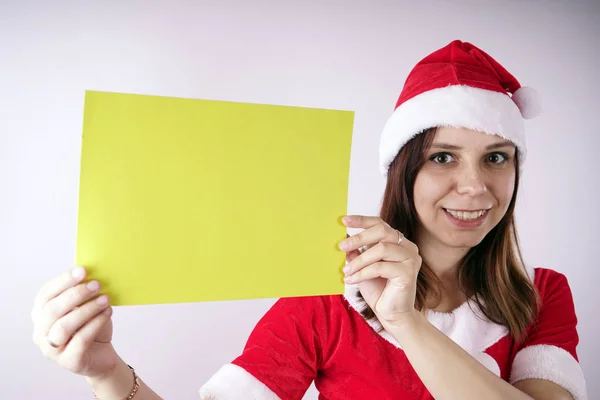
<point x="463" y="240"/>
<point x="464" y="244"/>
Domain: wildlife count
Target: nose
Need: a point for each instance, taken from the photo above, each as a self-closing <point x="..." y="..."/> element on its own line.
<point x="470" y="181"/>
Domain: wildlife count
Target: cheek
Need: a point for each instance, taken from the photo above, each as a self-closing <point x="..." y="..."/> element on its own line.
<point x="503" y="189"/>
<point x="429" y="189"/>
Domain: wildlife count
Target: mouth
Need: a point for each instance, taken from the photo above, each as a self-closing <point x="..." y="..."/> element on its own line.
<point x="466" y="215"/>
<point x="467" y="218"/>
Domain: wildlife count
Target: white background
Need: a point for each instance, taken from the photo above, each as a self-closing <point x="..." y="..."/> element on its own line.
<point x="343" y="55"/>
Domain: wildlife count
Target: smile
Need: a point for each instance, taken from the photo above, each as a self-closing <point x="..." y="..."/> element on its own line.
<point x="466" y="215"/>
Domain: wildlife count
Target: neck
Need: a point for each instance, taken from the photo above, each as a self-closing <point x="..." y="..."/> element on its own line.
<point x="441" y="259"/>
<point x="444" y="262"/>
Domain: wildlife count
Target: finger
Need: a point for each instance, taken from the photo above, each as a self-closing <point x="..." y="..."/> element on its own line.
<point x="56" y="286"/>
<point x="382" y="269"/>
<point x="350" y="256"/>
<point x="85" y="336"/>
<point x="65" y="303"/>
<point x="46" y="348"/>
<point x="380" y="252"/>
<point x="64" y="328"/>
<point x="361" y="221"/>
<point x="367" y="237"/>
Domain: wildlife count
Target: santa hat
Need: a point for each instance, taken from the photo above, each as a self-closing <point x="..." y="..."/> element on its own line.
<point x="462" y="86"/>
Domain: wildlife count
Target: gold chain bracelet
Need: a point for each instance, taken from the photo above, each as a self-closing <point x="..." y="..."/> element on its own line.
<point x="136" y="385"/>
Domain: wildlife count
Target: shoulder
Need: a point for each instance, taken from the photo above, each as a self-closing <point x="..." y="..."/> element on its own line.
<point x="556" y="321"/>
<point x="283" y="353"/>
<point x="550" y="284"/>
<point x="314" y="303"/>
<point x="542" y="275"/>
<point x="314" y="308"/>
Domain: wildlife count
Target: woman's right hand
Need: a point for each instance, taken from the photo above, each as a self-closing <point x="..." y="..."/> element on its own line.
<point x="73" y="326"/>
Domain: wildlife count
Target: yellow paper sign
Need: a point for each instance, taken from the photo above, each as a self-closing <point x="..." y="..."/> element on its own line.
<point x="185" y="200"/>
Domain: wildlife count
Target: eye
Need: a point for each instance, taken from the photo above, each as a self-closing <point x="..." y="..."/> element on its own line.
<point x="498" y="158"/>
<point x="441" y="158"/>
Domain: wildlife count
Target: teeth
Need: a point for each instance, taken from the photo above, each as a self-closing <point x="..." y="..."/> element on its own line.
<point x="465" y="215"/>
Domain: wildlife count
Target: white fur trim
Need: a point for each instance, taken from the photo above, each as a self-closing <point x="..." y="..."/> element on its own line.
<point x="529" y="102"/>
<point x="466" y="325"/>
<point x="457" y="105"/>
<point x="550" y="363"/>
<point x="232" y="382"/>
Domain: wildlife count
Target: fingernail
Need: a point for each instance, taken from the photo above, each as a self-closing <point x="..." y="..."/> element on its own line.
<point x="78" y="272"/>
<point x="347" y="279"/>
<point x="102" y="300"/>
<point x="52" y="337"/>
<point x="346" y="219"/>
<point x="346" y="269"/>
<point x="108" y="311"/>
<point x="93" y="286"/>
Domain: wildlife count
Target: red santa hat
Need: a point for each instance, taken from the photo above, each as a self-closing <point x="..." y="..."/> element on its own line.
<point x="459" y="85"/>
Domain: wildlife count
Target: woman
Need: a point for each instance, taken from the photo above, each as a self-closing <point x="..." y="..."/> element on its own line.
<point x="438" y="303"/>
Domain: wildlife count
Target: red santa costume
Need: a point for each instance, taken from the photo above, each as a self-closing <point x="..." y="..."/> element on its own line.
<point x="325" y="339"/>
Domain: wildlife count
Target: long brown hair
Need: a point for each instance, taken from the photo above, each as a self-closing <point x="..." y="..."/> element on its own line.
<point x="491" y="273"/>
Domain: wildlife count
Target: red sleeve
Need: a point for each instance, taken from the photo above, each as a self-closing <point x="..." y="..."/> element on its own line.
<point x="282" y="355"/>
<point x="550" y="350"/>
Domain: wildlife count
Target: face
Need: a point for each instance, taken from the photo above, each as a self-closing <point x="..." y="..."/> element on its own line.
<point x="464" y="188"/>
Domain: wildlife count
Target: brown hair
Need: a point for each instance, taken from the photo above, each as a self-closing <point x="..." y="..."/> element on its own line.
<point x="491" y="273"/>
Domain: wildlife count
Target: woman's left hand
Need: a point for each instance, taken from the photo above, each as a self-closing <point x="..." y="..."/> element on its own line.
<point x="387" y="272"/>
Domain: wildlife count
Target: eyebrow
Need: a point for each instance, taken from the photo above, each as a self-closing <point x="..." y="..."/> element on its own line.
<point x="493" y="146"/>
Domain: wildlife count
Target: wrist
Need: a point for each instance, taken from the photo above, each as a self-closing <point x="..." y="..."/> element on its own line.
<point x="114" y="384"/>
<point x="406" y="326"/>
<point x="108" y="376"/>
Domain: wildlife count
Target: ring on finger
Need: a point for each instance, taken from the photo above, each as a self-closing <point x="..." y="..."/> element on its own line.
<point x="400" y="236"/>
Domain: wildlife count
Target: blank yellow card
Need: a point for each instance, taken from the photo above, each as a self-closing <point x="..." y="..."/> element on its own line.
<point x="185" y="200"/>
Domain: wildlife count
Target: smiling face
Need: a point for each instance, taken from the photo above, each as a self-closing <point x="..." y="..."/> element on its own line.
<point x="464" y="187"/>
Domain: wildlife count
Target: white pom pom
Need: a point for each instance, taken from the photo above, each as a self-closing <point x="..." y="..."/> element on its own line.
<point x="528" y="101"/>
